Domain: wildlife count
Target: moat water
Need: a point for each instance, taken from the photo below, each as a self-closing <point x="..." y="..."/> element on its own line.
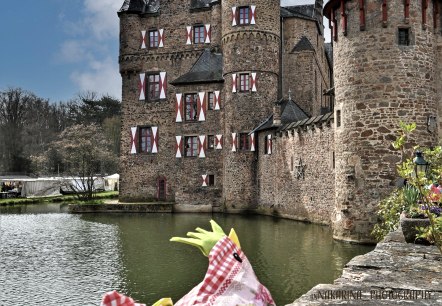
<point x="49" y="257"/>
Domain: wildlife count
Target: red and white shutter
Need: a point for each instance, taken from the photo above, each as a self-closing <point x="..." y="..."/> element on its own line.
<point x="252" y="142"/>
<point x="233" y="142"/>
<point x="160" y="38"/>
<point x="179" y="108"/>
<point x="202" y="146"/>
<point x="233" y="16"/>
<point x="201" y="106"/>
<point x="217" y="100"/>
<point x="252" y="14"/>
<point x="218" y="142"/>
<point x="233" y="82"/>
<point x="163" y="85"/>
<point x="253" y="81"/>
<point x="142" y="86"/>
<point x="207" y="33"/>
<point x="179" y="147"/>
<point x="205" y="180"/>
<point x="155" y="139"/>
<point x="133" y="140"/>
<point x="189" y="36"/>
<point x="269" y="144"/>
<point x="143" y="39"/>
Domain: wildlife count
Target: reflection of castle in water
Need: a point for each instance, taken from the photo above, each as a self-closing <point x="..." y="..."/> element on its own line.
<point x="231" y="106"/>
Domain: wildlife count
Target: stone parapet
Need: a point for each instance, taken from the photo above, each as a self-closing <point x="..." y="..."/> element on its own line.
<point x="394" y="273"/>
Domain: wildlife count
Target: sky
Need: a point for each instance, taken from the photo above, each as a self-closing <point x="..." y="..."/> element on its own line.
<point x="58" y="49"/>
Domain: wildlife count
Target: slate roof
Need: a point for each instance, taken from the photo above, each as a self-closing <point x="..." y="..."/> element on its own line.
<point x="140" y="6"/>
<point x="303" y="45"/>
<point x="207" y="69"/>
<point x="306" y="122"/>
<point x="200" y="4"/>
<point x="301" y="11"/>
<point x="290" y="112"/>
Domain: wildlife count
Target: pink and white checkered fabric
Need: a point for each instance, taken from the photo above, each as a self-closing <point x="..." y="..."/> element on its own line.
<point x="229" y="281"/>
<point x="114" y="298"/>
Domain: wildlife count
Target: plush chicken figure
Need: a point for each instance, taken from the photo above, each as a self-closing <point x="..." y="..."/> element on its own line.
<point x="229" y="280"/>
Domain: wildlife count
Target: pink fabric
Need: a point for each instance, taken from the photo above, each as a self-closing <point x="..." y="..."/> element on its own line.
<point x="114" y="298"/>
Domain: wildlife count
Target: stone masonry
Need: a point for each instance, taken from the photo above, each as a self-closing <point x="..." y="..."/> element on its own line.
<point x="231" y="104"/>
<point x="384" y="73"/>
<point x="246" y="36"/>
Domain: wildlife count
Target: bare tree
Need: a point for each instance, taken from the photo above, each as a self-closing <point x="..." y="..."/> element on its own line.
<point x="86" y="156"/>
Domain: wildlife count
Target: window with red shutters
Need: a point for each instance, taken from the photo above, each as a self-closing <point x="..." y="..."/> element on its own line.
<point x="153" y="39"/>
<point x="244" y="82"/>
<point x="153" y="87"/>
<point x="244" y="14"/>
<point x="211" y="142"/>
<point x="145" y="141"/>
<point x="211" y="101"/>
<point x="198" y="34"/>
<point x="191" y="106"/>
<point x="191" y="146"/>
<point x="244" y="142"/>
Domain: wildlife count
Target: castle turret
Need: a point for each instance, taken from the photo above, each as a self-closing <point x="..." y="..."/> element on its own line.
<point x="251" y="52"/>
<point x="384" y="69"/>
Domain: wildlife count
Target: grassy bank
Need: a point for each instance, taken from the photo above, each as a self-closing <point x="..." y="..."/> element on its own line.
<point x="98" y="199"/>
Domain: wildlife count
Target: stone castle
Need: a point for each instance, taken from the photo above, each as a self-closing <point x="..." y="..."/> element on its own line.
<point x="240" y="105"/>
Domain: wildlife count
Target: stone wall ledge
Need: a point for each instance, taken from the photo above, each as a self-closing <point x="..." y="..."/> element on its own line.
<point x="394" y="273"/>
<point x="121" y="208"/>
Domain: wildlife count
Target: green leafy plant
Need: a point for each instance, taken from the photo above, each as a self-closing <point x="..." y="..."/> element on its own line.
<point x="416" y="191"/>
<point x="389" y="211"/>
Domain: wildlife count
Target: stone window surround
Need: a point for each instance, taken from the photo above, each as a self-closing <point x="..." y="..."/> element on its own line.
<point x="410" y="36"/>
<point x="211" y="180"/>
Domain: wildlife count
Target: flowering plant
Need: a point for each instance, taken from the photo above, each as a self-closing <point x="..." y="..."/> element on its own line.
<point x="416" y="191"/>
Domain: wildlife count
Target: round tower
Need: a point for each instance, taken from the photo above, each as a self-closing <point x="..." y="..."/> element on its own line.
<point x="250" y="44"/>
<point x="384" y="72"/>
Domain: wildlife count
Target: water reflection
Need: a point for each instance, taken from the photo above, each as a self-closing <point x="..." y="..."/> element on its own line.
<point x="72" y="260"/>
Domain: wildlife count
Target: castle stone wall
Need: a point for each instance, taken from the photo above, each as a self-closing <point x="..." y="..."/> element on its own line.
<point x="281" y="191"/>
<point x="250" y="48"/>
<point x="140" y="172"/>
<point x="378" y="83"/>
<point x="299" y="68"/>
